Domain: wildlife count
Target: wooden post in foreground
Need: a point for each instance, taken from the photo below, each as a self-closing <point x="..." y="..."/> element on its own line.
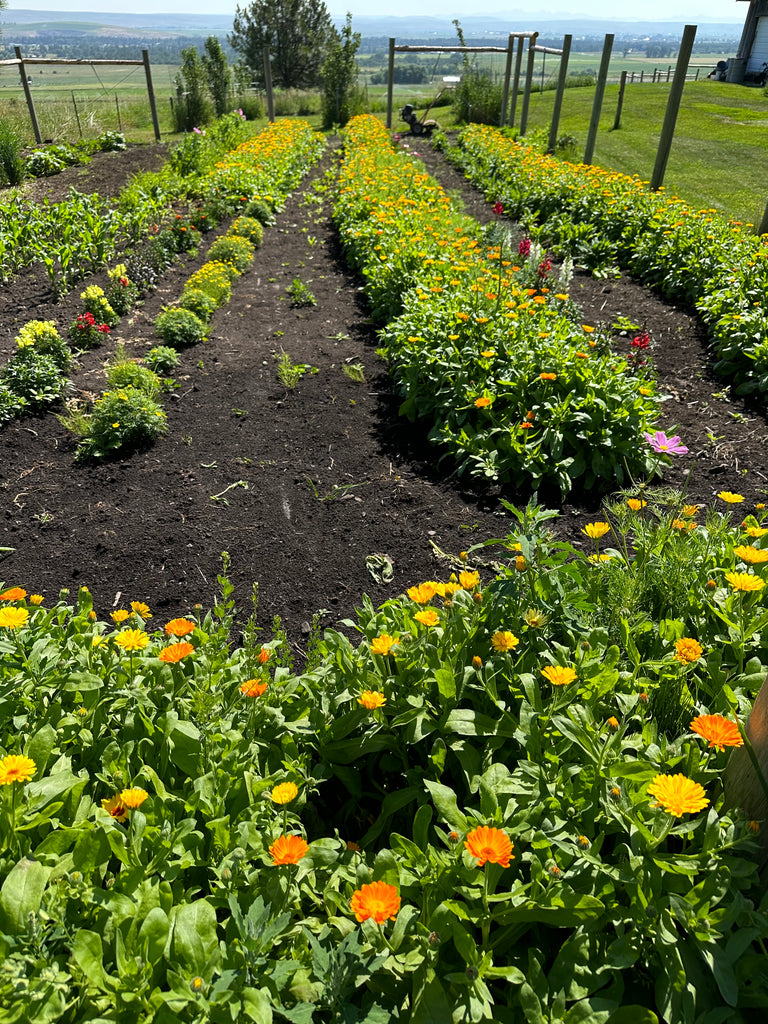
<point x="390" y="80"/>
<point x="552" y="143"/>
<point x="673" y="105"/>
<point x="28" y="94"/>
<point x="527" y="89"/>
<point x="620" y="101"/>
<point x="151" y="94"/>
<point x="597" y="103"/>
<point x="763" y="229"/>
<point x="516" y="81"/>
<point x="507" y="76"/>
<point x="268" y="86"/>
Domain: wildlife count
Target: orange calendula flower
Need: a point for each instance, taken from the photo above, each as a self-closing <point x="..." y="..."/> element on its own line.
<point x="730" y="498"/>
<point x="371" y="699"/>
<point x="744" y="581"/>
<point x="596" y="530"/>
<point x="176" y="652"/>
<point x="264" y="655"/>
<point x="683" y="524"/>
<point x="14" y="594"/>
<point x="119" y="616"/>
<point x="612" y="723"/>
<point x="253" y="688"/>
<point x="141" y="609"/>
<point x="504" y="641"/>
<point x="284" y="793"/>
<point x="377" y="900"/>
<point x="482" y="402"/>
<point x="133" y="797"/>
<point x="751" y="555"/>
<point x="383" y="644"/>
<point x="427" y="617"/>
<point x="469" y="580"/>
<point x="13" y="618"/>
<point x="687" y="650"/>
<point x="179" y="627"/>
<point x="717" y="731"/>
<point x="490" y="844"/>
<point x="115" y="807"/>
<point x="558" y="675"/>
<point x="16" y="768"/>
<point x="547" y="376"/>
<point x="636" y="504"/>
<point x="423" y="593"/>
<point x="132" y="639"/>
<point x="678" y="795"/>
<point x="288" y="850"/>
<point x="689" y="511"/>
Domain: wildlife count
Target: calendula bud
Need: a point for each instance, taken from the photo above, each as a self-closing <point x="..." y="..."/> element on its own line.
<point x="477" y="662"/>
<point x="477" y="598"/>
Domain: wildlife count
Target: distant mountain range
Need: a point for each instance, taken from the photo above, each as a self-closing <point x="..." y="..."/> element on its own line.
<point x="374" y="25"/>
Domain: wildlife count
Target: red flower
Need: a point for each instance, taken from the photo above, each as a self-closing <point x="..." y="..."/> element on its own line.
<point x="525" y="247"/>
<point x="498" y="209"/>
<point x="642" y="341"/>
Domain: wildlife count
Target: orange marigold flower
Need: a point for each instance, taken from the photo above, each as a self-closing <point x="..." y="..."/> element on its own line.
<point x="16" y="768"/>
<point x="678" y="795"/>
<point x="636" y="504"/>
<point x="687" y="650"/>
<point x="596" y="530"/>
<point x="176" y="652"/>
<point x="689" y="511"/>
<point x="377" y="900"/>
<point x="132" y="639"/>
<point x="717" y="731"/>
<point x="179" y="627"/>
<point x="352" y="846"/>
<point x="371" y="699"/>
<point x="558" y="675"/>
<point x="490" y="844"/>
<point x="504" y="641"/>
<point x="119" y="616"/>
<point x="288" y="850"/>
<point x="284" y="793"/>
<point x="751" y="555"/>
<point x="743" y="581"/>
<point x="253" y="688"/>
<point x="730" y="498"/>
<point x="469" y="580"/>
<point x="482" y="402"/>
<point x="520" y="564"/>
<point x="14" y="594"/>
<point x="612" y="723"/>
<point x="133" y="797"/>
<point x="427" y="617"/>
<point x="13" y="618"/>
<point x="115" y="807"/>
<point x="477" y="662"/>
<point x="383" y="644"/>
<point x="423" y="593"/>
<point x="547" y="376"/>
<point x="751" y="531"/>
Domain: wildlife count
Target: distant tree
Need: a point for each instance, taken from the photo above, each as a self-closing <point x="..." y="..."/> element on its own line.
<point x="192" y="105"/>
<point x="341" y="97"/>
<point x="297" y="32"/>
<point x="218" y="74"/>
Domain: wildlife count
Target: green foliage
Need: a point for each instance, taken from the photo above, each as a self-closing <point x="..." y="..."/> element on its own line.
<point x="123" y="293"/>
<point x="261" y="211"/>
<point x="13" y="169"/>
<point x="10" y="404"/>
<point x="290" y="373"/>
<point x="198" y="302"/>
<point x="192" y="107"/>
<point x="95" y="302"/>
<point x="234" y="250"/>
<point x="162" y="359"/>
<point x="215" y="279"/>
<point x="297" y="32"/>
<point x="35" y="378"/>
<point x="180" y="328"/>
<point x="110" y="142"/>
<point x="123" y="372"/>
<point x="121" y="421"/>
<point x="477" y="98"/>
<point x="250" y="228"/>
<point x="341" y="98"/>
<point x="300" y="294"/>
<point x="218" y="74"/>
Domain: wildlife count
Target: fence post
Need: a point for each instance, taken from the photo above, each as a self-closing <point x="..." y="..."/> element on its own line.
<point x="620" y="101"/>
<point x="563" y="74"/>
<point x="507" y="75"/>
<point x="268" y="85"/>
<point x="527" y="89"/>
<point x="77" y="116"/>
<point x="151" y="94"/>
<point x="390" y="80"/>
<point x="516" y="81"/>
<point x="28" y="94"/>
<point x="117" y="108"/>
<point x="673" y="105"/>
<point x="597" y="103"/>
<point x="641" y="74"/>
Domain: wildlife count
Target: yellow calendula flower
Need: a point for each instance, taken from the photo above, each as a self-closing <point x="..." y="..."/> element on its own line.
<point x="730" y="498"/>
<point x="141" y="609"/>
<point x="678" y="795"/>
<point x="119" y="616"/>
<point x="132" y="640"/>
<point x="38" y="598"/>
<point x="687" y="650"/>
<point x="558" y="675"/>
<point x="427" y="617"/>
<point x="503" y="641"/>
<point x="636" y="504"/>
<point x="371" y="699"/>
<point x="751" y="555"/>
<point x="13" y="618"/>
<point x="423" y="593"/>
<point x="744" y="581"/>
<point x="383" y="644"/>
<point x="16" y="768"/>
<point x="596" y="530"/>
<point x="133" y="798"/>
<point x="284" y="793"/>
<point x="469" y="580"/>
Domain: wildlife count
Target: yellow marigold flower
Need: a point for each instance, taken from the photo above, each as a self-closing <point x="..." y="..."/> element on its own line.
<point x="744" y="581"/>
<point x="383" y="644"/>
<point x="13" y="618"/>
<point x="482" y="402"/>
<point x="534" y="618"/>
<point x="717" y="731"/>
<point x="490" y="845"/>
<point x="179" y="627"/>
<point x="16" y="768"/>
<point x="284" y="793"/>
<point x="520" y="564"/>
<point x="423" y="593"/>
<point x="751" y="555"/>
<point x="119" y="616"/>
<point x="751" y="531"/>
<point x="504" y="641"/>
<point x="133" y="798"/>
<point x="596" y="530"/>
<point x="377" y="900"/>
<point x="689" y="511"/>
<point x="132" y="640"/>
<point x="38" y="598"/>
<point x="547" y="376"/>
<point x="371" y="699"/>
<point x="558" y="675"/>
<point x="115" y="807"/>
<point x="427" y="617"/>
<point x="687" y="650"/>
<point x="141" y="609"/>
<point x="636" y="504"/>
<point x="678" y="795"/>
<point x="730" y="498"/>
<point x="469" y="580"/>
<point x="587" y="328"/>
<point x="14" y="594"/>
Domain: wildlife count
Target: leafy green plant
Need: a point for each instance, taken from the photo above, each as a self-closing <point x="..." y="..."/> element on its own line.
<point x="86" y="332"/>
<point x="355" y="372"/>
<point x="290" y="373"/>
<point x="300" y="294"/>
<point x="123" y="372"/>
<point x="232" y="249"/>
<point x="162" y="359"/>
<point x="180" y="328"/>
<point x="43" y="336"/>
<point x="34" y="377"/>
<point x="260" y="211"/>
<point x="198" y="302"/>
<point x="120" y="422"/>
<point x="123" y="293"/>
<point x="13" y="169"/>
<point x="11" y="405"/>
<point x="95" y="302"/>
<point x="248" y="227"/>
<point x="215" y="279"/>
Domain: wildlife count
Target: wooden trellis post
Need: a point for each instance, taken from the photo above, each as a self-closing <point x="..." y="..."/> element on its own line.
<point x="527" y="89"/>
<point x="673" y="105"/>
<point x="28" y="94"/>
<point x="597" y="103"/>
<point x="553" y="128"/>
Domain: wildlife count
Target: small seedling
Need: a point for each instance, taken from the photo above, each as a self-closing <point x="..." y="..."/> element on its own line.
<point x="300" y="294"/>
<point x="355" y="372"/>
<point x="290" y="373"/>
<point x="220" y="496"/>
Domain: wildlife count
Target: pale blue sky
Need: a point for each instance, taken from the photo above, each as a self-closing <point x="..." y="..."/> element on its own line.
<point x="693" y="11"/>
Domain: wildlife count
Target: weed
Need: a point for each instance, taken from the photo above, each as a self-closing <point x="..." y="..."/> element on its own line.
<point x="300" y="294"/>
<point x="290" y="373"/>
<point x="220" y="496"/>
<point x="337" y="491"/>
<point x="355" y="372"/>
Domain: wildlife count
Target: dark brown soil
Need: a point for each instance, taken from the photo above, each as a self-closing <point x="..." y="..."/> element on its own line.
<point x="333" y="475"/>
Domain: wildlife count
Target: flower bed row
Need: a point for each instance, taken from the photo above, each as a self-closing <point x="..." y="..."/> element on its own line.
<point x="598" y="217"/>
<point x="503" y="801"/>
<point x="481" y="337"/>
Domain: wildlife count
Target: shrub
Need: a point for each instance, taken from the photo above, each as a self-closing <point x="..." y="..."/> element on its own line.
<point x="34" y="377"/>
<point x="95" y="302"/>
<point x="180" y="328"/>
<point x="12" y="167"/>
<point x="215" y="279"/>
<point x="10" y="404"/>
<point x="198" y="302"/>
<point x="124" y="372"/>
<point x="477" y="98"/>
<point x="122" y="420"/>
<point x="111" y="142"/>
<point x="252" y="107"/>
<point x="192" y="107"/>
<point x="261" y="211"/>
<point x="162" y="359"/>
<point x="248" y="227"/>
<point x="44" y="338"/>
<point x="232" y="249"/>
